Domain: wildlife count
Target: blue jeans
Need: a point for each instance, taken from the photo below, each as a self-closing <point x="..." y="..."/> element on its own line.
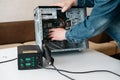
<point x="105" y="16"/>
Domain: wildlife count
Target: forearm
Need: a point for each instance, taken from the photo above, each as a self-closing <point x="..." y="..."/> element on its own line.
<point x="102" y="15"/>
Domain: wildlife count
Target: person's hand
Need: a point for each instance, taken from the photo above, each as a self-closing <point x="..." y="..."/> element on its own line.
<point x="66" y="4"/>
<point x="57" y="34"/>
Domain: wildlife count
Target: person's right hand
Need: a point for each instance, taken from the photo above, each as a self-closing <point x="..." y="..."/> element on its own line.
<point x="65" y="5"/>
<point x="57" y="34"/>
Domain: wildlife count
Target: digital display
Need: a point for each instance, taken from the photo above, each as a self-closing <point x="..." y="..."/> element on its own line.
<point x="30" y="51"/>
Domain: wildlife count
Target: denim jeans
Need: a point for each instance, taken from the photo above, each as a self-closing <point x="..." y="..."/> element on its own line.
<point x="105" y="16"/>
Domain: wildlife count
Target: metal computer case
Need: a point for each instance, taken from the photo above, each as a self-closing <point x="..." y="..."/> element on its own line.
<point x="47" y="17"/>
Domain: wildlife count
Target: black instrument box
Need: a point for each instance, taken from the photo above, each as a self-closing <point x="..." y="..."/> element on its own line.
<point x="29" y="57"/>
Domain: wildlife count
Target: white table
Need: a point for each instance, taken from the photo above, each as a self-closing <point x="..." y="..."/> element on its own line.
<point x="84" y="61"/>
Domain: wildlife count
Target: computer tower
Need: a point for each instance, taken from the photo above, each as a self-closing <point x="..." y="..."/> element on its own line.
<point x="47" y="17"/>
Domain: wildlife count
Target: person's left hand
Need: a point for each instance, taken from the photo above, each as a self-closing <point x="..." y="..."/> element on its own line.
<point x="57" y="34"/>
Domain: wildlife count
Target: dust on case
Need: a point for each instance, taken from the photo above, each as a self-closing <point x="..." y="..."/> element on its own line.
<point x="47" y="17"/>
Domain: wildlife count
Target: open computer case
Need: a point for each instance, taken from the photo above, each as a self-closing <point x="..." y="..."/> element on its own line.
<point x="47" y="17"/>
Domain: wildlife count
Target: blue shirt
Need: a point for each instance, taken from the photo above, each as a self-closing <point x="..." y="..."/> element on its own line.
<point x="105" y="16"/>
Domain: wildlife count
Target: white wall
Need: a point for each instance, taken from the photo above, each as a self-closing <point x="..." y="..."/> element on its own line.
<point x="20" y="10"/>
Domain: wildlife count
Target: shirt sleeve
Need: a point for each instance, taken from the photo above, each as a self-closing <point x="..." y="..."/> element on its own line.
<point x="86" y="3"/>
<point x="104" y="11"/>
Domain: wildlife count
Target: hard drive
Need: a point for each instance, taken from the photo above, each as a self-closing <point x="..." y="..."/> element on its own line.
<point x="48" y="17"/>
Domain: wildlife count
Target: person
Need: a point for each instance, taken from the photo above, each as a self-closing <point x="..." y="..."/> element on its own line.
<point x="105" y="16"/>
